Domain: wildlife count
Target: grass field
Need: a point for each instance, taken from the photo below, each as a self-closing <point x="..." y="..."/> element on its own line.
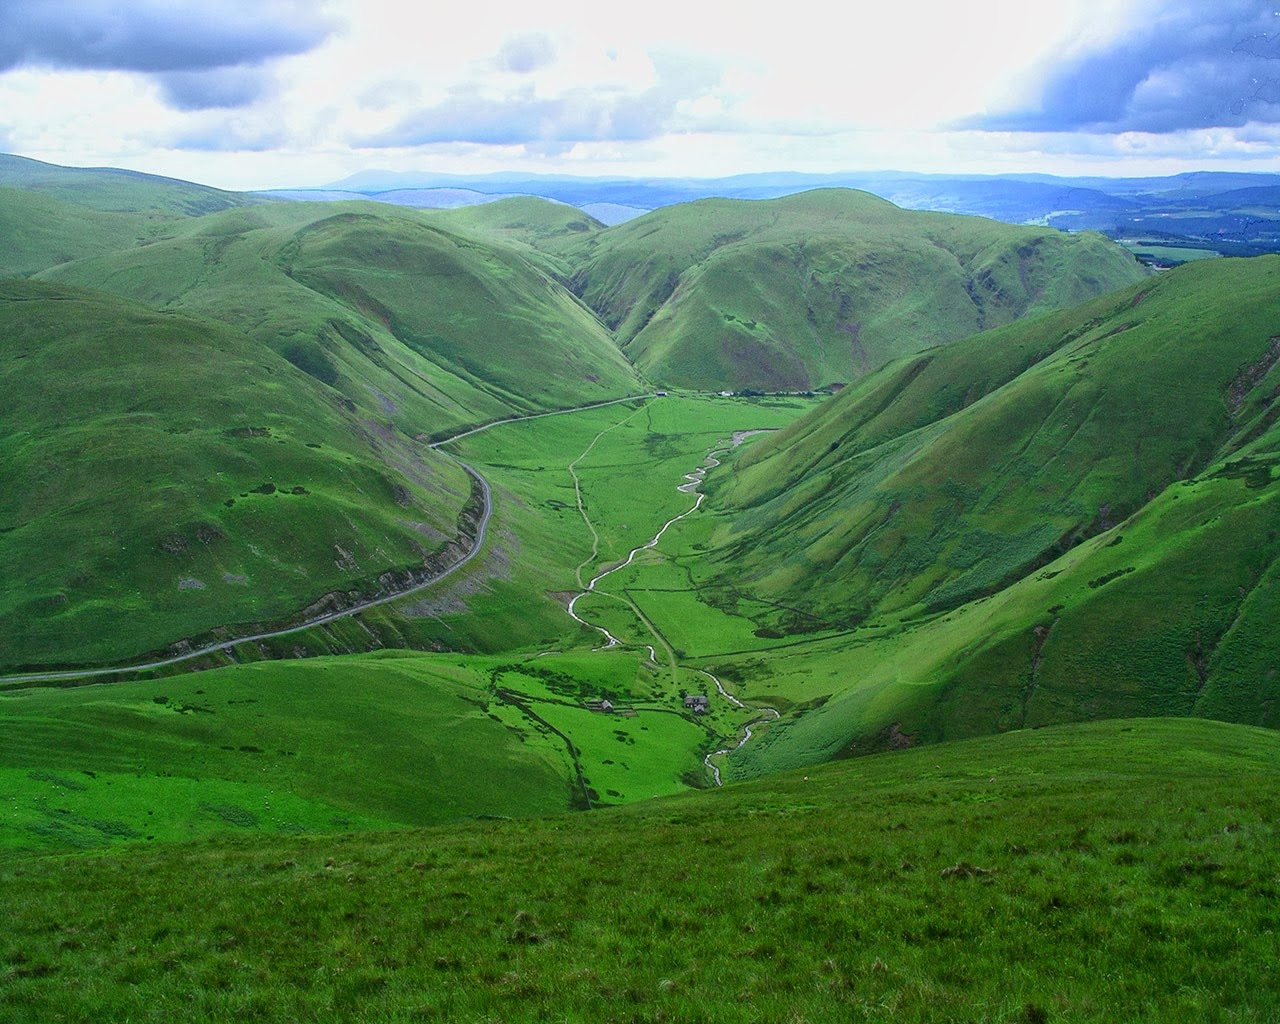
<point x="1113" y="871"/>
<point x="1167" y="254"/>
<point x="309" y="745"/>
<point x="629" y="460"/>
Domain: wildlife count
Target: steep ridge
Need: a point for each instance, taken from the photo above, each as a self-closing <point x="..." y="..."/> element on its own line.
<point x="821" y="287"/>
<point x="1072" y="517"/>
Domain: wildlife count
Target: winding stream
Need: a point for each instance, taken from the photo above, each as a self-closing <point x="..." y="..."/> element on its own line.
<point x="692" y="485"/>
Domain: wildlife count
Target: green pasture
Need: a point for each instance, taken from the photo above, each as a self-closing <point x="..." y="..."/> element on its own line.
<point x="647" y="746"/>
<point x="1170" y="253"/>
<point x="338" y="743"/>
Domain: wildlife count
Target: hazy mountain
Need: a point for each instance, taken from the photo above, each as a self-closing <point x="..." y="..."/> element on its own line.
<point x="1131" y="208"/>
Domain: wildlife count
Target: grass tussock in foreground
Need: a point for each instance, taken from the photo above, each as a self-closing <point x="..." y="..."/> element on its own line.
<point x="1113" y="871"/>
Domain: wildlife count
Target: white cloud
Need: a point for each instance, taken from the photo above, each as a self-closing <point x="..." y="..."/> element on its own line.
<point x="315" y="92"/>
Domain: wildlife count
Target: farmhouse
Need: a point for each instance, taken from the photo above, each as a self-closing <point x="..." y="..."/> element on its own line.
<point x="697" y="703"/>
<point x="600" y="705"/>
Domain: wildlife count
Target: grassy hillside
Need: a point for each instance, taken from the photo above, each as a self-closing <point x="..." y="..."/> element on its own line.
<point x="392" y="738"/>
<point x="112" y="189"/>
<point x="1054" y="875"/>
<point x="1033" y="437"/>
<point x="164" y="475"/>
<point x="539" y="228"/>
<point x="821" y="287"/>
<point x="274" y="748"/>
<point x="41" y="232"/>
<point x="538" y="223"/>
<point x="1068" y="518"/>
<point x="407" y="320"/>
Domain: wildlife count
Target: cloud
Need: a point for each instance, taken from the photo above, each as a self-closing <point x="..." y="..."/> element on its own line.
<point x="583" y="114"/>
<point x="1182" y="68"/>
<point x="219" y="87"/>
<point x="389" y="93"/>
<point x="202" y="56"/>
<point x="219" y="135"/>
<point x="525" y="54"/>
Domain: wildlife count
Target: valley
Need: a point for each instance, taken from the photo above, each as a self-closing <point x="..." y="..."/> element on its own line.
<point x="806" y="597"/>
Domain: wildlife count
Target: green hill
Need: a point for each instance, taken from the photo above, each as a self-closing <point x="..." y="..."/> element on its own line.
<point x="405" y="318"/>
<point x="1116" y="871"/>
<point x="536" y="222"/>
<point x="340" y="333"/>
<point x="219" y="421"/>
<point x="216" y="421"/>
<point x="112" y="189"/>
<point x="821" y="287"/>
<point x="1072" y="517"/>
<point x="164" y="475"/>
<point x="41" y="232"/>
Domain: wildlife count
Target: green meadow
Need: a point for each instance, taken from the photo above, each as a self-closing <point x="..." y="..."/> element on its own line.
<point x="629" y="460"/>
<point x="269" y="748"/>
<point x="247" y="734"/>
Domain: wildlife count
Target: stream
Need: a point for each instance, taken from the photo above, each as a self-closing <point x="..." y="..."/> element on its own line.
<point x="692" y="485"/>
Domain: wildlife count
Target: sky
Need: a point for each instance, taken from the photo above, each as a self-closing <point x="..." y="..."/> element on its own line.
<point x="246" y="94"/>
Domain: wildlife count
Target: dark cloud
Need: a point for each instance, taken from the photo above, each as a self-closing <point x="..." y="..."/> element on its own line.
<point x="1191" y="65"/>
<point x="580" y="115"/>
<point x="176" y="42"/>
<point x="525" y="54"/>
<point x="221" y="87"/>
